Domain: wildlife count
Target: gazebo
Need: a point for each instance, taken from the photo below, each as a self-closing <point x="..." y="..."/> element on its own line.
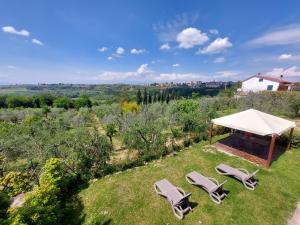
<point x="255" y="132"/>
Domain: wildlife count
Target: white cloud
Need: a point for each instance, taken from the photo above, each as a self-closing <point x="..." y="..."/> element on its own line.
<point x="137" y="51"/>
<point x="227" y="74"/>
<point x="190" y="37"/>
<point x="219" y="60"/>
<point x="120" y="51"/>
<point x="289" y="57"/>
<point x="165" y="46"/>
<point x="176" y="65"/>
<point x="217" y="46"/>
<point x="37" y="42"/>
<point x="167" y="31"/>
<point x="280" y="36"/>
<point x="143" y="69"/>
<point x="110" y="58"/>
<point x="214" y="31"/>
<point x="103" y="49"/>
<point x="12" y="30"/>
<point x="293" y="71"/>
<point x="285" y="56"/>
<point x="113" y="76"/>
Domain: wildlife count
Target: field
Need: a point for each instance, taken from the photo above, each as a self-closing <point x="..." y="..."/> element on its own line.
<point x="129" y="198"/>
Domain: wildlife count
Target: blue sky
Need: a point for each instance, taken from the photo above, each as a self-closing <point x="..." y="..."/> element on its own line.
<point x="147" y="41"/>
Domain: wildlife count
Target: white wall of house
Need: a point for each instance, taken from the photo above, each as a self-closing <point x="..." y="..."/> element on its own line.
<point x="254" y="85"/>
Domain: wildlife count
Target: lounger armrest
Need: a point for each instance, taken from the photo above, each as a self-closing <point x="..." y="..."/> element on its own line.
<point x="218" y="186"/>
<point x="181" y="190"/>
<point x="213" y="180"/>
<point x="252" y="174"/>
<point x="244" y="170"/>
<point x="185" y="197"/>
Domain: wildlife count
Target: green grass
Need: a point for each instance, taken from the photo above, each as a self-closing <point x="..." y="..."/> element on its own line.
<point x="129" y="197"/>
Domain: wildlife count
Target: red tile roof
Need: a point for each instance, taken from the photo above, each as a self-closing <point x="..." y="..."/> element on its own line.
<point x="278" y="80"/>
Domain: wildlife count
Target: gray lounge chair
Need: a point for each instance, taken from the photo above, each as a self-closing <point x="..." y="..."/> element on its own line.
<point x="209" y="184"/>
<point x="176" y="197"/>
<point x="239" y="173"/>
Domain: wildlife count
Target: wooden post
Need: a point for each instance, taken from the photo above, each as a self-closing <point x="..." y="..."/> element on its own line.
<point x="290" y="139"/>
<point x="210" y="132"/>
<point x="271" y="150"/>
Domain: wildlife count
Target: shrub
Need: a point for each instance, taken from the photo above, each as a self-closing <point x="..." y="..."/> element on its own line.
<point x="83" y="101"/>
<point x="175" y="132"/>
<point x="197" y="139"/>
<point x="187" y="142"/>
<point x="43" y="205"/>
<point x="14" y="183"/>
<point x="63" y="102"/>
<point x="130" y="107"/>
<point x="4" y="204"/>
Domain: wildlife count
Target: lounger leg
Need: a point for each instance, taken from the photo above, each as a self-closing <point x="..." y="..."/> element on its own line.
<point x="249" y="186"/>
<point x="215" y="198"/>
<point x="178" y="213"/>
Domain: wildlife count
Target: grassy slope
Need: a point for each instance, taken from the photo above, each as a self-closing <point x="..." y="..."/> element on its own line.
<point x="129" y="198"/>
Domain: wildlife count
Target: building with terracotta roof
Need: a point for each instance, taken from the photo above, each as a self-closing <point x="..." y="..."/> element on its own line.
<point x="259" y="82"/>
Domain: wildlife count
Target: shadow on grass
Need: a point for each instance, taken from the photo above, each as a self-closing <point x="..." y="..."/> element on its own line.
<point x="193" y="204"/>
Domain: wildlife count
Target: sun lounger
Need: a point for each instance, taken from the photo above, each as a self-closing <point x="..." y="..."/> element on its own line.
<point x="209" y="184"/>
<point x="240" y="174"/>
<point x="176" y="197"/>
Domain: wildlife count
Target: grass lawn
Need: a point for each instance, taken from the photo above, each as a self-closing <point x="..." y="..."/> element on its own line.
<point x="129" y="197"/>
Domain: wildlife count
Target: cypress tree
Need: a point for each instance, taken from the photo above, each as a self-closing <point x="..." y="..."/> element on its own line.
<point x="139" y="97"/>
<point x="150" y="98"/>
<point x="145" y="97"/>
<point x="168" y="97"/>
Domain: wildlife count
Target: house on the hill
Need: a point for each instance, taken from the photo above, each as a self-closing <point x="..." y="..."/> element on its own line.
<point x="258" y="83"/>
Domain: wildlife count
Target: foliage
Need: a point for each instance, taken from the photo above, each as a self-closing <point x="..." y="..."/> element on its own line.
<point x="63" y="102"/>
<point x="283" y="103"/>
<point x="4" y="204"/>
<point x="130" y="107"/>
<point x="144" y="132"/>
<point x="43" y="206"/>
<point x="83" y="101"/>
<point x="14" y="183"/>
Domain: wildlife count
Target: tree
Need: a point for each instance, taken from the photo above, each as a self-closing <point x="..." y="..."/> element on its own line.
<point x="46" y="99"/>
<point x="18" y="101"/>
<point x="145" y="97"/>
<point x="83" y="101"/>
<point x="3" y="101"/>
<point x="110" y="131"/>
<point x="130" y="107"/>
<point x="124" y="96"/>
<point x="168" y="97"/>
<point x="63" y="102"/>
<point x="46" y="110"/>
<point x="139" y="97"/>
<point x="149" y="98"/>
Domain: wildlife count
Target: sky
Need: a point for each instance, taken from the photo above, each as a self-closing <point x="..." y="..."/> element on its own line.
<point x="140" y="42"/>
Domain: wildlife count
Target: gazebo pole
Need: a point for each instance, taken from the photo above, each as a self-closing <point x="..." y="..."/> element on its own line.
<point x="290" y="139"/>
<point x="271" y="150"/>
<point x="210" y="132"/>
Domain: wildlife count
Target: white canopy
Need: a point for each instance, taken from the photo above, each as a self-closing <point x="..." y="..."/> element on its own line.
<point x="256" y="122"/>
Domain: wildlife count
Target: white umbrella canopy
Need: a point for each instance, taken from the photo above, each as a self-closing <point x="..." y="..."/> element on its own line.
<point x="256" y="122"/>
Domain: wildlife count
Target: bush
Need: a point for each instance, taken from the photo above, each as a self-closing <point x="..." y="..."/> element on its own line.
<point x="14" y="183"/>
<point x="43" y="205"/>
<point x="196" y="139"/>
<point x="63" y="102"/>
<point x="187" y="142"/>
<point x="4" y="204"/>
